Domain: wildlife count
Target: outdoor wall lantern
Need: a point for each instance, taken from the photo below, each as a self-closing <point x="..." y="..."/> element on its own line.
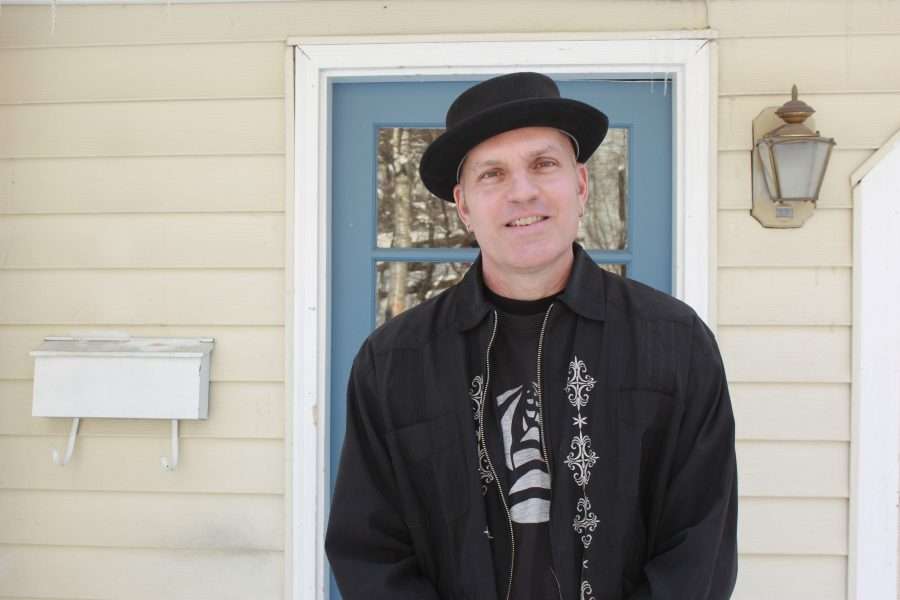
<point x="789" y="162"/>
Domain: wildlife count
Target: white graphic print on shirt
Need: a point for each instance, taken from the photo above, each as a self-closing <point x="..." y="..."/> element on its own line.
<point x="529" y="479"/>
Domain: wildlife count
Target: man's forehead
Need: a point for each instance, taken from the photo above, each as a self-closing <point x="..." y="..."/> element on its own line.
<point x="527" y="141"/>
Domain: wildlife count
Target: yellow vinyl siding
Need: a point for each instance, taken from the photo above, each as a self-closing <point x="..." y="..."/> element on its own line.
<point x="142" y="128"/>
<point x="767" y="354"/>
<point x="134" y="297"/>
<point x="804" y="18"/>
<point x="823" y="241"/>
<point x="184" y="521"/>
<point x="794" y="469"/>
<point x="255" y="21"/>
<point x="793" y="526"/>
<point x="796" y="411"/>
<point x="789" y="577"/>
<point x="784" y="296"/>
<point x="152" y="241"/>
<point x="157" y="184"/>
<point x="142" y="190"/>
<point x="120" y="463"/>
<point x="141" y="73"/>
<point x="84" y="572"/>
<point x="828" y="64"/>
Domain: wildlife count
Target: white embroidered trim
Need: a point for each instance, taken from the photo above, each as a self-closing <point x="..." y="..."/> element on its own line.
<point x="582" y="457"/>
<point x="586" y="590"/>
<point x="476" y="393"/>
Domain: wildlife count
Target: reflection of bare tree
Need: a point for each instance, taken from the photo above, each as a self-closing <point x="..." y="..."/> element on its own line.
<point x="428" y="221"/>
<point x="605" y="221"/>
<point x="424" y="280"/>
<point x="411" y="217"/>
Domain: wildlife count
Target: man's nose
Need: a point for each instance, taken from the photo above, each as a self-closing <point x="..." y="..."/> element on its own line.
<point x="521" y="187"/>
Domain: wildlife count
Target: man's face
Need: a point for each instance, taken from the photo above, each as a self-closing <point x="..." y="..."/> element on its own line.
<point x="522" y="192"/>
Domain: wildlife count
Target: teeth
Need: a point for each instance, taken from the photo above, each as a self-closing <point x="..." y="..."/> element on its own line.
<point x="526" y="221"/>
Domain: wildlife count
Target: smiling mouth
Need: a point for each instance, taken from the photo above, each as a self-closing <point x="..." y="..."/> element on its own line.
<point x="526" y="221"/>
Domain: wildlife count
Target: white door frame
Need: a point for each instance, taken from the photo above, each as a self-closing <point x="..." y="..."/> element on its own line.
<point x="686" y="58"/>
<point x="874" y="444"/>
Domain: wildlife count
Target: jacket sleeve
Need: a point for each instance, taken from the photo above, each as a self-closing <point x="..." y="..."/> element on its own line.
<point x="367" y="541"/>
<point x="694" y="552"/>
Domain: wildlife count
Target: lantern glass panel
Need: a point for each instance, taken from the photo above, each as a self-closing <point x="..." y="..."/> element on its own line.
<point x="764" y="152"/>
<point x="801" y="164"/>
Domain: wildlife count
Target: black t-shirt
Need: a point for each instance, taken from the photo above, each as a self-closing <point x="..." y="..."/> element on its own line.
<point x="516" y="421"/>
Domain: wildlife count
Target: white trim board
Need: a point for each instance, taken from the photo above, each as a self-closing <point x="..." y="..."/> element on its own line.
<point x="686" y="58"/>
<point x="875" y="441"/>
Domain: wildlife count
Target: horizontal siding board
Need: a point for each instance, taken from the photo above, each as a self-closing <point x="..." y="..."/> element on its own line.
<point x="803" y="17"/>
<point x="140" y="574"/>
<point x="180" y="297"/>
<point x="817" y="64"/>
<point x="120" y="185"/>
<point x="142" y="72"/>
<point x="823" y="241"/>
<point x="171" y="128"/>
<point x="733" y="179"/>
<point x="131" y="464"/>
<point x="786" y="354"/>
<point x="792" y="526"/>
<point x="130" y="520"/>
<point x="735" y="191"/>
<point x="240" y="353"/>
<point x="837" y="116"/>
<point x="791" y="411"/>
<point x="770" y="296"/>
<point x="142" y="241"/>
<point x="28" y="26"/>
<point x="236" y="410"/>
<point x="794" y="469"/>
<point x="791" y="577"/>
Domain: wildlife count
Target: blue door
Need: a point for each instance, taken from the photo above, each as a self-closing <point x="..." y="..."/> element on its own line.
<point x="394" y="245"/>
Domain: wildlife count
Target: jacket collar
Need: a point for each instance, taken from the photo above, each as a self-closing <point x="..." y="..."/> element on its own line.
<point x="585" y="292"/>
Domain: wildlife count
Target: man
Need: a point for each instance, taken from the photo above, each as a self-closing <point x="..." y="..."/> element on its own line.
<point x="544" y="429"/>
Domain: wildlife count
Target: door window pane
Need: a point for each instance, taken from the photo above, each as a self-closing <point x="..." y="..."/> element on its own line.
<point x="409" y="216"/>
<point x="401" y="285"/>
<point x="605" y="222"/>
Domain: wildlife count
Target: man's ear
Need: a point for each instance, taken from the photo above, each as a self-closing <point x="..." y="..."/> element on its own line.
<point x="583" y="184"/>
<point x="461" y="207"/>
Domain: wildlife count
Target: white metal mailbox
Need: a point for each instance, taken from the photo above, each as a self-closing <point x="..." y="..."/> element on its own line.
<point x="122" y="377"/>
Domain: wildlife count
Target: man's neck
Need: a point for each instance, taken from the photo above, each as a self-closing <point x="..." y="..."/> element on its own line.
<point x="527" y="285"/>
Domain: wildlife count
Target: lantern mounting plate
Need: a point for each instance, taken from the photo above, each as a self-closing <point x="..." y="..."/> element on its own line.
<point x="774" y="214"/>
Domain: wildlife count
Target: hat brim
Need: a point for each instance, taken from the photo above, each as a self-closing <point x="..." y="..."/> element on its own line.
<point x="441" y="159"/>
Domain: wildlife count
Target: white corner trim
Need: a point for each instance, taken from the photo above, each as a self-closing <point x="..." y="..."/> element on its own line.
<point x="875" y="439"/>
<point x="875" y="159"/>
<point x="688" y="61"/>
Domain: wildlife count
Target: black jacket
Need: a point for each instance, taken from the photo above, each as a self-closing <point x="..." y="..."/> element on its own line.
<point x="408" y="516"/>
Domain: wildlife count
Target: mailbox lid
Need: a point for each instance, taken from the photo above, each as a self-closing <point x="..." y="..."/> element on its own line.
<point x="122" y="346"/>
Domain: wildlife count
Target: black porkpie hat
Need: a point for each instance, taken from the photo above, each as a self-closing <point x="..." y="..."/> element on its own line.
<point x="501" y="104"/>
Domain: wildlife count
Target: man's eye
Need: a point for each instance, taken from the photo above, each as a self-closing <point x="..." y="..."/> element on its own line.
<point x="489" y="174"/>
<point x="545" y="163"/>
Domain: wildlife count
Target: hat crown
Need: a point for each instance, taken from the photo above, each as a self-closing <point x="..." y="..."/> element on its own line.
<point x="497" y="91"/>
